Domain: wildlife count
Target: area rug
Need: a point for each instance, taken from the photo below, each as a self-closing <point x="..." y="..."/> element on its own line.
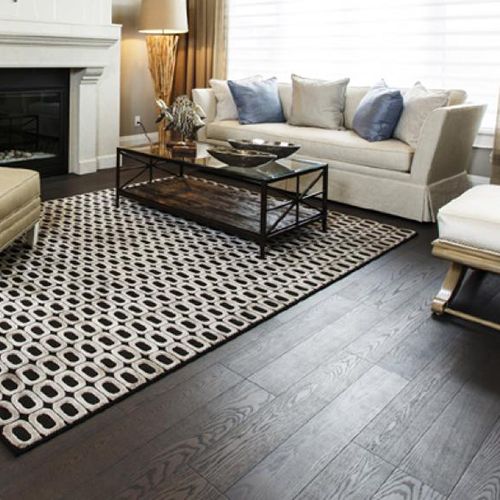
<point x="111" y="300"/>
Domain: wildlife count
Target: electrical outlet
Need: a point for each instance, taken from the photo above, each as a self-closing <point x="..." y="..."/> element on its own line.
<point x="137" y="121"/>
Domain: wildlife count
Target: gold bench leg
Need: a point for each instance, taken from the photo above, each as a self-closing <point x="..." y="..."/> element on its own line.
<point x="449" y="288"/>
<point x="31" y="237"/>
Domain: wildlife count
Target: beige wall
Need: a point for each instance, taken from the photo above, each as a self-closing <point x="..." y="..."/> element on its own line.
<point x="137" y="97"/>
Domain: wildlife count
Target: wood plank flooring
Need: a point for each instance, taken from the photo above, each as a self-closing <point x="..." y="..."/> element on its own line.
<point x="356" y="392"/>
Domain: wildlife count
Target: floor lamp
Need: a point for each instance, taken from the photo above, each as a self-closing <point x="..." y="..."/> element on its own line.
<point x="162" y="21"/>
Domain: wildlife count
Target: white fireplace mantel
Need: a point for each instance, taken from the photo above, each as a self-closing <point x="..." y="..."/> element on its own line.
<point x="91" y="52"/>
<point x="63" y="34"/>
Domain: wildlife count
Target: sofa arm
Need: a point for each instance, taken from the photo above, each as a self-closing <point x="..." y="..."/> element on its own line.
<point x="445" y="145"/>
<point x="205" y="98"/>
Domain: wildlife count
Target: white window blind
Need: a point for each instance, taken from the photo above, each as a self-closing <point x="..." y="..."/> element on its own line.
<point x="442" y="43"/>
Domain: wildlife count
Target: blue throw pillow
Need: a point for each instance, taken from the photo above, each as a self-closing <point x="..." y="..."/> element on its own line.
<point x="378" y="113"/>
<point x="257" y="101"/>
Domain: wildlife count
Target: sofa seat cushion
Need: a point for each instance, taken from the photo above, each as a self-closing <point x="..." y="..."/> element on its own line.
<point x="473" y="219"/>
<point x="18" y="187"/>
<point x="341" y="145"/>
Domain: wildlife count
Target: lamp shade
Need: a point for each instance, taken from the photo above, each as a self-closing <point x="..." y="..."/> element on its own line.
<point x="163" y="17"/>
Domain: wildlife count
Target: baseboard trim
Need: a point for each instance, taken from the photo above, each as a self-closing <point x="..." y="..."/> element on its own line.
<point x="86" y="167"/>
<point x="137" y="140"/>
<point x="478" y="180"/>
<point x="106" y="161"/>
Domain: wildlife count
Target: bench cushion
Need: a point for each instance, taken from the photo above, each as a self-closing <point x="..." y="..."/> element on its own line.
<point x="473" y="219"/>
<point x="20" y="204"/>
<point x="18" y="186"/>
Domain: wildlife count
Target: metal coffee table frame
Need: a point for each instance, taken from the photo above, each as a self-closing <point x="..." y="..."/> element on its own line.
<point x="147" y="163"/>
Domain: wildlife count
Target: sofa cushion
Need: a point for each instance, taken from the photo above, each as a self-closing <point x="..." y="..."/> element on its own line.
<point x="257" y="101"/>
<point x="318" y="103"/>
<point x="378" y="113"/>
<point x="419" y="103"/>
<point x="342" y="145"/>
<point x="17" y="188"/>
<point x="456" y="97"/>
<point x="473" y="219"/>
<point x="226" y="107"/>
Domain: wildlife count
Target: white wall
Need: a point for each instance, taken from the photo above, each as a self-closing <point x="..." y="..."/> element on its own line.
<point x="63" y="11"/>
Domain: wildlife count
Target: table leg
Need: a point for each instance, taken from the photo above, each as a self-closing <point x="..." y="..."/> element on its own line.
<point x="117" y="188"/>
<point x="297" y="198"/>
<point x="263" y="220"/>
<point x="325" y="199"/>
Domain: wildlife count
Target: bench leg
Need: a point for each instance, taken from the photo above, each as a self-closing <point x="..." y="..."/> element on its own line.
<point x="449" y="288"/>
<point x="31" y="236"/>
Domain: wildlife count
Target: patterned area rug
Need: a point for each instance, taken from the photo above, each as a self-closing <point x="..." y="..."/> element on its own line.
<point x="113" y="299"/>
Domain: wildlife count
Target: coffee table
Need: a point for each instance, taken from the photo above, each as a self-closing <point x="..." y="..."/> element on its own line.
<point x="259" y="212"/>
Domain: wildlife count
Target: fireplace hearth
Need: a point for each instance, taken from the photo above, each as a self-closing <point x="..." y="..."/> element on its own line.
<point x="34" y="119"/>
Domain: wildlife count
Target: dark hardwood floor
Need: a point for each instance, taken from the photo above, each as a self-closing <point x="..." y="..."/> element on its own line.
<point x="356" y="392"/>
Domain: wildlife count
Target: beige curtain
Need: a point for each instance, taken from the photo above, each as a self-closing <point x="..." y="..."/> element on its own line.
<point x="495" y="156"/>
<point x="202" y="52"/>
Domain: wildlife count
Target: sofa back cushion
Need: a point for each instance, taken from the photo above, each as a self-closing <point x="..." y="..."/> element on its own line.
<point x="353" y="98"/>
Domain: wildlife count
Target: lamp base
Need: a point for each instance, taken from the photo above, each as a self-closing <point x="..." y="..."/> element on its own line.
<point x="162" y="53"/>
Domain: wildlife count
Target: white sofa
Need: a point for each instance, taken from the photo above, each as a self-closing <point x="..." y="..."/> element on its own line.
<point x="387" y="176"/>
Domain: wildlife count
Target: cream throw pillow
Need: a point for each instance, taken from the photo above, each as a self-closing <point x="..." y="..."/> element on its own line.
<point x="226" y="107"/>
<point x="419" y="103"/>
<point x="318" y="103"/>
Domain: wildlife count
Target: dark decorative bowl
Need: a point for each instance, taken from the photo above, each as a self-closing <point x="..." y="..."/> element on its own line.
<point x="241" y="157"/>
<point x="278" y="148"/>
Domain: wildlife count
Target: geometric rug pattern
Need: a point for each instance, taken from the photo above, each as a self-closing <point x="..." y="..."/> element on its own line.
<point x="113" y="299"/>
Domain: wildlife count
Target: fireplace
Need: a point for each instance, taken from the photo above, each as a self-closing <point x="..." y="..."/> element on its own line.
<point x="34" y="119"/>
<point x="74" y="67"/>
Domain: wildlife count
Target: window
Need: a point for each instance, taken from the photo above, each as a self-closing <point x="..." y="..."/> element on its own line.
<point x="443" y="43"/>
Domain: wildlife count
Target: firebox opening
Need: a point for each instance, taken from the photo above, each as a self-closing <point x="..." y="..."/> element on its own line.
<point x="34" y="119"/>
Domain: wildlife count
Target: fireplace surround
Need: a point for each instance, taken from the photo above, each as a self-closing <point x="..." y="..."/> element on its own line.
<point x="89" y="55"/>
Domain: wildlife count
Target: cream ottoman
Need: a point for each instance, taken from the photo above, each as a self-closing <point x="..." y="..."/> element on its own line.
<point x="20" y="205"/>
<point x="469" y="237"/>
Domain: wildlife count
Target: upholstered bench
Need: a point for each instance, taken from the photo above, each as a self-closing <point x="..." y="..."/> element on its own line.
<point x="469" y="237"/>
<point x="20" y="205"/>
